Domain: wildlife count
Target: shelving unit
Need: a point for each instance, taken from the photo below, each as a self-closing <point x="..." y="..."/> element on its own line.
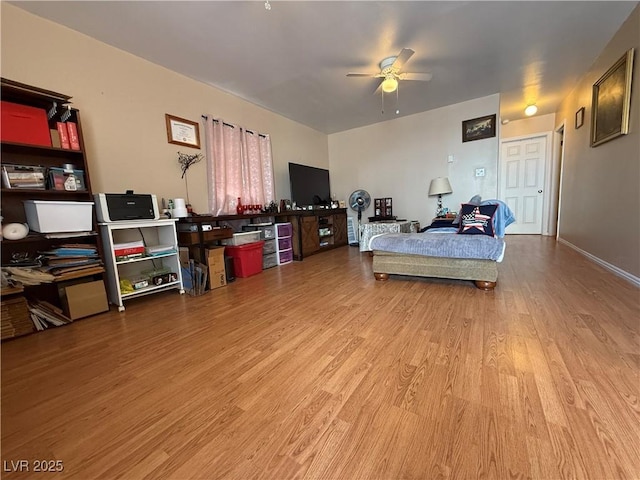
<point x="152" y="233"/>
<point x="325" y="230"/>
<point x="25" y="154"/>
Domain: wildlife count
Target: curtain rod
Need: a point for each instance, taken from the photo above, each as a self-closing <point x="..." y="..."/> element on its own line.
<point x="233" y="126"/>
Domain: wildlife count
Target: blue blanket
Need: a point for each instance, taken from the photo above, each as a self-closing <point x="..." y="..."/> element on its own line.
<point x="503" y="217"/>
<point x="448" y="245"/>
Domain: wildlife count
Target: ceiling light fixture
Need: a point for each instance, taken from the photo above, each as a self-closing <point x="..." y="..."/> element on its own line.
<point x="530" y="110"/>
<point x="267" y="5"/>
<point x="390" y="84"/>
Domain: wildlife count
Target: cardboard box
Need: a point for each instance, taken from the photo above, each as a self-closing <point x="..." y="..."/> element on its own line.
<point x="215" y="262"/>
<point x="84" y="299"/>
<point x="183" y="254"/>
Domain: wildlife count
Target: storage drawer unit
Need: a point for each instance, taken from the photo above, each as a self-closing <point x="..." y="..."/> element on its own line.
<point x="269" y="260"/>
<point x="285" y="257"/>
<point x="267" y="233"/>
<point x="269" y="247"/>
<point x="284" y="243"/>
<point x="283" y="230"/>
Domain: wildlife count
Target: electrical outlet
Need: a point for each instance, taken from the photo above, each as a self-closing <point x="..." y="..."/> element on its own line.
<point x="479" y="172"/>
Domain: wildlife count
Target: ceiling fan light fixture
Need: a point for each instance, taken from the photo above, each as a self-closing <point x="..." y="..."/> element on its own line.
<point x="390" y="84"/>
<point x="530" y="110"/>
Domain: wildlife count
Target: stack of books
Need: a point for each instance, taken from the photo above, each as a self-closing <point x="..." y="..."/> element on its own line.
<point x="61" y="263"/>
<point x="76" y="259"/>
<point x="44" y="315"/>
<point x="160" y="250"/>
<point x="128" y="250"/>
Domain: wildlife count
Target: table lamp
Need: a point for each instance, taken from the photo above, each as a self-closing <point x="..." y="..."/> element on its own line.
<point x="439" y="186"/>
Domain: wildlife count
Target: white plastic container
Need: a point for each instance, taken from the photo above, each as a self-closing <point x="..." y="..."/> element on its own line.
<point x="242" y="238"/>
<point x="51" y="216"/>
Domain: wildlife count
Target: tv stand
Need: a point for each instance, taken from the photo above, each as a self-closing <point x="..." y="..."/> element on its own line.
<point x="314" y="231"/>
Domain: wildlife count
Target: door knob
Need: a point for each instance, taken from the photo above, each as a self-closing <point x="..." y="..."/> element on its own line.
<point x="539" y="191"/>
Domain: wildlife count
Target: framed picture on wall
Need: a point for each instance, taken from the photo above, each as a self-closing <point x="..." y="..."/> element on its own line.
<point x="182" y="131"/>
<point x="611" y="101"/>
<point x="479" y="128"/>
<point x="579" y="118"/>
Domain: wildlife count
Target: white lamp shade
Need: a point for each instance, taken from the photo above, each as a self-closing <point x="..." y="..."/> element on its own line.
<point x="439" y="186"/>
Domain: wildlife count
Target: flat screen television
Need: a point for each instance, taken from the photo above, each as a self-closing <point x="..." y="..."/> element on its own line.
<point x="309" y="185"/>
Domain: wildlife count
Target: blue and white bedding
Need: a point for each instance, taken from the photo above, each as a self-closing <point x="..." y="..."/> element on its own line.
<point x="447" y="245"/>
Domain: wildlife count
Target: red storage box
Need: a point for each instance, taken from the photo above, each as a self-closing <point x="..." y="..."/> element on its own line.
<point x="24" y="124"/>
<point x="247" y="258"/>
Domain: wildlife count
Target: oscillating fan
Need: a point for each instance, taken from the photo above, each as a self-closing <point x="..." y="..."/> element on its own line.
<point x="359" y="201"/>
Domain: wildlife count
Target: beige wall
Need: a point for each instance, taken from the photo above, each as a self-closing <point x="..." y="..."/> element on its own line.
<point x="600" y="189"/>
<point x="528" y="126"/>
<point x="398" y="159"/>
<point x="123" y="100"/>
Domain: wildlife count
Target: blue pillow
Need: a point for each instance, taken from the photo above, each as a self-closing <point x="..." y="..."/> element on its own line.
<point x="477" y="219"/>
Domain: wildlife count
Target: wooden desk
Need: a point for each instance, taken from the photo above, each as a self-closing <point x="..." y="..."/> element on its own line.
<point x="200" y="238"/>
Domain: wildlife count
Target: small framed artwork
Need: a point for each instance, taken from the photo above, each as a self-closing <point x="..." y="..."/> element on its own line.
<point x="579" y="118"/>
<point x="611" y="101"/>
<point x="181" y="131"/>
<point x="479" y="128"/>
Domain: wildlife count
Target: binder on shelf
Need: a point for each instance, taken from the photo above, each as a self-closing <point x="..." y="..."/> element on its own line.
<point x="72" y="130"/>
<point x="121" y="252"/>
<point x="64" y="135"/>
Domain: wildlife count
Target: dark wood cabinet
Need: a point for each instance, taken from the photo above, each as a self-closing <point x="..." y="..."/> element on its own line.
<point x="318" y="230"/>
<point x="310" y="240"/>
<point x="340" y="229"/>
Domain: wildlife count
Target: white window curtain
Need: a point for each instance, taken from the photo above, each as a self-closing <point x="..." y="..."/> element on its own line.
<point x="239" y="165"/>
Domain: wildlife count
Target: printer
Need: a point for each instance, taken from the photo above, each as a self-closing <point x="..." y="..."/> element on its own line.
<point x="117" y="207"/>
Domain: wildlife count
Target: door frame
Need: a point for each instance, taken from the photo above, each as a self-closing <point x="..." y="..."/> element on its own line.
<point x="547" y="175"/>
<point x="559" y="143"/>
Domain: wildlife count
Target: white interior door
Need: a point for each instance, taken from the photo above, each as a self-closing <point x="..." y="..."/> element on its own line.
<point x="522" y="168"/>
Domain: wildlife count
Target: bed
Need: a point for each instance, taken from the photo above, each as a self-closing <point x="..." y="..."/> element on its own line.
<point x="470" y="250"/>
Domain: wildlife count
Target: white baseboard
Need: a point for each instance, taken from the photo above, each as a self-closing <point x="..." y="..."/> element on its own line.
<point x="617" y="271"/>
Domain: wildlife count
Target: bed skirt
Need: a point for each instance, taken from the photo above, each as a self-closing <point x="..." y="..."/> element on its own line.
<point x="483" y="272"/>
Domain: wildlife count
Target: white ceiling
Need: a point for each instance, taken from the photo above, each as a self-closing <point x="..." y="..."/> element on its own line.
<point x="293" y="59"/>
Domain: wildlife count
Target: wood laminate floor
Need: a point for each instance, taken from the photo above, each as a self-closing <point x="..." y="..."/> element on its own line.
<point x="313" y="370"/>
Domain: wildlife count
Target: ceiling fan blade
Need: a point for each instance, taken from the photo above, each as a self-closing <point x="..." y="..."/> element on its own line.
<point x="379" y="89"/>
<point x="362" y="74"/>
<point x="421" y="77"/>
<point x="404" y="55"/>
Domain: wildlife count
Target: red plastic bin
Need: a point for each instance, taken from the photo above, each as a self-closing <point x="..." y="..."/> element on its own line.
<point x="247" y="258"/>
<point x="24" y="124"/>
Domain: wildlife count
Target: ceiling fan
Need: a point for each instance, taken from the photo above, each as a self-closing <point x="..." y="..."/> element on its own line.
<point x="391" y="72"/>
